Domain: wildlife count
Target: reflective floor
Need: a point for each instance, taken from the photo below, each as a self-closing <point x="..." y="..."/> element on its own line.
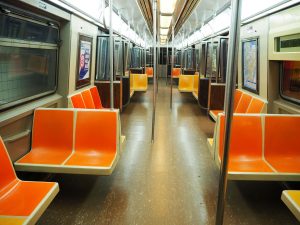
<point x="173" y="181"/>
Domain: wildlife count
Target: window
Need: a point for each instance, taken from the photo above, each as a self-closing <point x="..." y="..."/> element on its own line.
<point x="290" y="81"/>
<point x="28" y="60"/>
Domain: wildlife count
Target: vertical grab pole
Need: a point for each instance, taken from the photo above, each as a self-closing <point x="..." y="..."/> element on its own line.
<point x="229" y="101"/>
<point x="167" y="62"/>
<point x="154" y="68"/>
<point x="172" y="67"/>
<point x="111" y="57"/>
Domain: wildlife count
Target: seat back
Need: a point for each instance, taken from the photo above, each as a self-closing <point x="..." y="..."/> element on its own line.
<point x="96" y="98"/>
<point x="243" y="103"/>
<point x="237" y="97"/>
<point x="149" y="71"/>
<point x="282" y="136"/>
<point x="255" y="106"/>
<point x="246" y="136"/>
<point x="96" y="130"/>
<point x="77" y="101"/>
<point x="7" y="173"/>
<point x="176" y="72"/>
<point x="53" y="129"/>
<point x="88" y="99"/>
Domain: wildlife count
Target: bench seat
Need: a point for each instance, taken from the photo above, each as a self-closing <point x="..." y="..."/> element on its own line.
<point x="78" y="141"/>
<point x="262" y="147"/>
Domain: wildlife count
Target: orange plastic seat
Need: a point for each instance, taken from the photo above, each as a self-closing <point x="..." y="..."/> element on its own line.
<point x="100" y="129"/>
<point x="21" y="202"/>
<point x="245" y="145"/>
<point x="255" y="106"/>
<point x="140" y="82"/>
<point x="196" y="86"/>
<point x="73" y="141"/>
<point x="77" y="101"/>
<point x="291" y="199"/>
<point x="186" y="83"/>
<point x="282" y="143"/>
<point x="214" y="113"/>
<point x="96" y="98"/>
<point x="149" y="71"/>
<point x="243" y="104"/>
<point x="237" y="97"/>
<point x="88" y="99"/>
<point x="52" y="138"/>
<point x="176" y="72"/>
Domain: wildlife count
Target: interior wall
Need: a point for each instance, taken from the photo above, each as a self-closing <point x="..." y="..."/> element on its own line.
<point x="282" y="23"/>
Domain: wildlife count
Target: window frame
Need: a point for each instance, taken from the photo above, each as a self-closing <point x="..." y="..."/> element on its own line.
<point x="8" y="42"/>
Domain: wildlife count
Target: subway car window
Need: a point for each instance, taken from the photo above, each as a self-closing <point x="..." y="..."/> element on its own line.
<point x="290" y="81"/>
<point x="28" y="60"/>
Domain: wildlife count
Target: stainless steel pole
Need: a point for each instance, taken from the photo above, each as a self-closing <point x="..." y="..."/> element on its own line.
<point x="154" y="68"/>
<point x="167" y="62"/>
<point x="111" y="56"/>
<point x="172" y="67"/>
<point x="229" y="101"/>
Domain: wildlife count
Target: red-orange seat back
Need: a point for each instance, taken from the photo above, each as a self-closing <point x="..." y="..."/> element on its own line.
<point x="96" y="98"/>
<point x="53" y="129"/>
<point x="255" y="106"/>
<point x="88" y="99"/>
<point x="176" y="72"/>
<point x="243" y="103"/>
<point x="282" y="136"/>
<point x="7" y="173"/>
<point x="237" y="97"/>
<point x="77" y="101"/>
<point x="246" y="136"/>
<point x="149" y="71"/>
<point x="96" y="130"/>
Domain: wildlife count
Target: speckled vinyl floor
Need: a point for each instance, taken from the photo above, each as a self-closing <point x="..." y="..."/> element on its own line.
<point x="171" y="182"/>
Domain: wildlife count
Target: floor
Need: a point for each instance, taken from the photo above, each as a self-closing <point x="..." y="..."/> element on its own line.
<point x="173" y="181"/>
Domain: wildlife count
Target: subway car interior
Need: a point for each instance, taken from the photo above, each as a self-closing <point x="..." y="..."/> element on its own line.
<point x="149" y="112"/>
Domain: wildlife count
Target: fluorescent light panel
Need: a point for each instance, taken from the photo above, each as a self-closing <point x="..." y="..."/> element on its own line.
<point x="165" y="21"/>
<point x="167" y="6"/>
<point x="164" y="31"/>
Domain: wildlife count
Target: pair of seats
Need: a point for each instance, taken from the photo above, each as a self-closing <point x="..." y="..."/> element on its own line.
<point x="138" y="82"/>
<point x="21" y="202"/>
<point x="77" y="141"/>
<point x="186" y="83"/>
<point x="87" y="99"/>
<point x="243" y="103"/>
<point x="262" y="147"/>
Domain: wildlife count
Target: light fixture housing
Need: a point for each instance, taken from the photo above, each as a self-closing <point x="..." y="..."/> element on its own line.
<point x="164" y="31"/>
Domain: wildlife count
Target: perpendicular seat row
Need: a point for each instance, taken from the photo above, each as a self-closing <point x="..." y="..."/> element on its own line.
<point x="243" y="103"/>
<point x="87" y="99"/>
<point x="262" y="147"/>
<point x="77" y="141"/>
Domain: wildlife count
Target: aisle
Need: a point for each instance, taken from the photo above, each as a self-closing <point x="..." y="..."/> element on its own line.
<point x="173" y="181"/>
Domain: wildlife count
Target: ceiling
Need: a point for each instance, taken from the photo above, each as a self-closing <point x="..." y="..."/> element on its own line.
<point x="188" y="15"/>
<point x="130" y="10"/>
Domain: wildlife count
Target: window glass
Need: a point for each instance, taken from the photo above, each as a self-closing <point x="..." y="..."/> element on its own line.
<point x="26" y="72"/>
<point x="290" y="80"/>
<point x="29" y="70"/>
<point x="16" y="28"/>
